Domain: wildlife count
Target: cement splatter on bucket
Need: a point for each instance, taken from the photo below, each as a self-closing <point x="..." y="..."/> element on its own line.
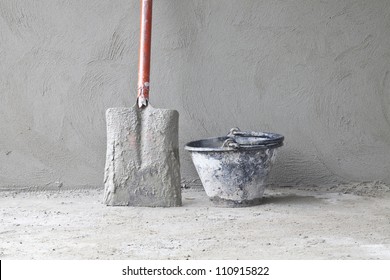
<point x="234" y="169"/>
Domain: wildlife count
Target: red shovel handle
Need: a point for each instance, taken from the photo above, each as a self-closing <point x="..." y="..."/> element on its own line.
<point x="144" y="53"/>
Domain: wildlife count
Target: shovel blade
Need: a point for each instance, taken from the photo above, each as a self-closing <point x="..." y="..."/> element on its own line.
<point x="142" y="163"/>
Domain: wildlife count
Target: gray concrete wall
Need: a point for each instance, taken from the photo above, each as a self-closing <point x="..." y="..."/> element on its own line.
<point x="316" y="71"/>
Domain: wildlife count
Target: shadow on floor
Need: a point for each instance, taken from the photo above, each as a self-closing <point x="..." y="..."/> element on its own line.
<point x="290" y="199"/>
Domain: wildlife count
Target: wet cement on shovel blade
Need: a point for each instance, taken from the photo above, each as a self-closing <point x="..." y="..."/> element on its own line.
<point x="142" y="164"/>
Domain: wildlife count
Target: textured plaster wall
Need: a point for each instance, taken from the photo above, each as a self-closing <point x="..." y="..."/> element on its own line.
<point x="316" y="71"/>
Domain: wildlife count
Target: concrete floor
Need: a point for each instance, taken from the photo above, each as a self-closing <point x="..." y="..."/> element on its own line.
<point x="339" y="222"/>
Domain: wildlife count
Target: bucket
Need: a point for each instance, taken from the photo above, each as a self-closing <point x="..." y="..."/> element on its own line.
<point x="234" y="169"/>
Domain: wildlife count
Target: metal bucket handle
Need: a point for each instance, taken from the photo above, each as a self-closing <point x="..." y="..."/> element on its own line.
<point x="250" y="139"/>
<point x="230" y="143"/>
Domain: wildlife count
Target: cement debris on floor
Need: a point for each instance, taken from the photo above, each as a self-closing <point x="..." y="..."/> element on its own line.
<point x="340" y="222"/>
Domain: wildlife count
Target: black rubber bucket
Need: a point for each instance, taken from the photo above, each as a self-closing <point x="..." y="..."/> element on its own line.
<point x="234" y="169"/>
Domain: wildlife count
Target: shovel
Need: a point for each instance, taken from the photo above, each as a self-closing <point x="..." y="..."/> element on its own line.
<point x="142" y="163"/>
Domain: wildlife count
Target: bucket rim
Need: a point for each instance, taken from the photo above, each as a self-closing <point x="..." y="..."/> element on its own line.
<point x="201" y="145"/>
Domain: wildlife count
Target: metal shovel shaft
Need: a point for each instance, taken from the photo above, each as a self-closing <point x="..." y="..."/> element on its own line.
<point x="144" y="53"/>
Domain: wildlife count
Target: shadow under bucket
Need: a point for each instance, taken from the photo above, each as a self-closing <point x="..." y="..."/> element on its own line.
<point x="234" y="169"/>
